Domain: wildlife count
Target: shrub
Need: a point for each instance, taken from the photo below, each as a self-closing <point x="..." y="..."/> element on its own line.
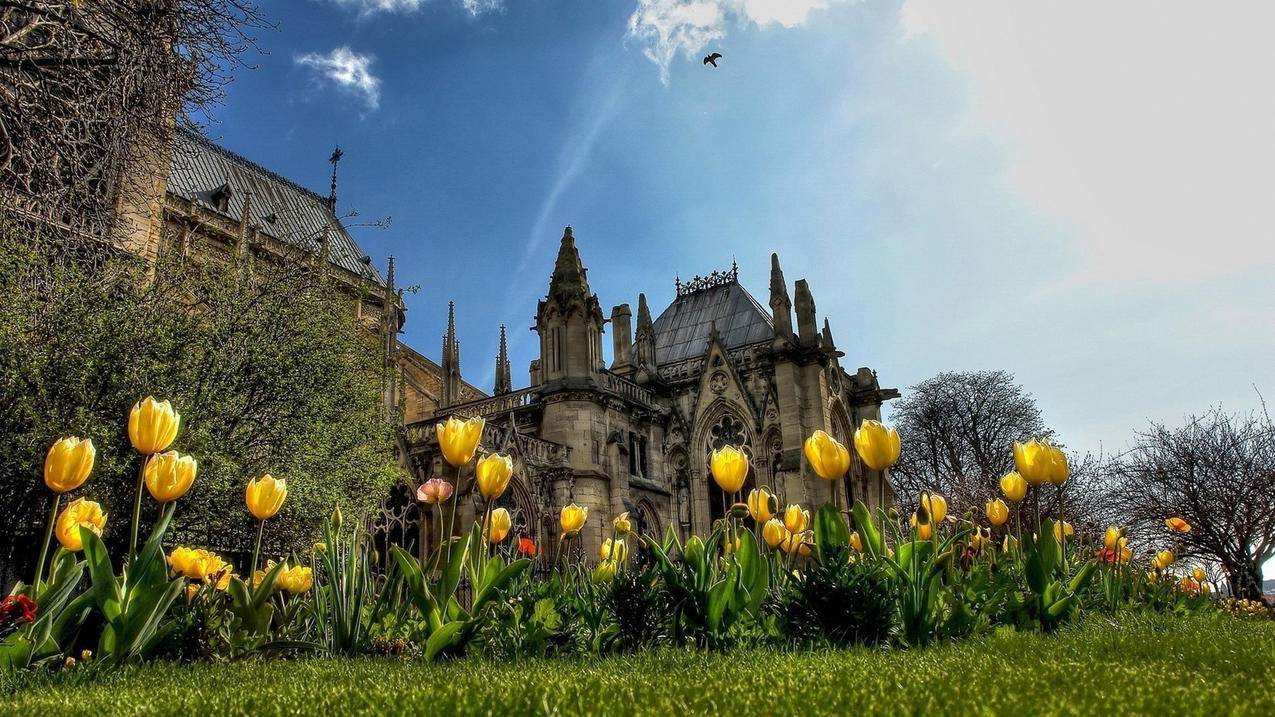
<point x="839" y="601"/>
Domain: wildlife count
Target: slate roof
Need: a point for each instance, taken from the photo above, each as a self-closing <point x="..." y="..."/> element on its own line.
<point x="683" y="329"/>
<point x="281" y="208"/>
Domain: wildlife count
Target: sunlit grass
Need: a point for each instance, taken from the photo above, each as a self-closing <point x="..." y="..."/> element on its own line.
<point x="1133" y="665"/>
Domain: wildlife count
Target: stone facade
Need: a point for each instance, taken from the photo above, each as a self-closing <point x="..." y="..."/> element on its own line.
<point x="714" y="368"/>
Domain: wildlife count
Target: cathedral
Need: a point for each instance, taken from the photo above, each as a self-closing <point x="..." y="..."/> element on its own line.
<point x="713" y="368"/>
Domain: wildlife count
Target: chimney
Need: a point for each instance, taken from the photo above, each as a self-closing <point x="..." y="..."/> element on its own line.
<point x="621" y="338"/>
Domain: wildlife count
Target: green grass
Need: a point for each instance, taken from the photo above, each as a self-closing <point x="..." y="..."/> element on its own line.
<point x="1135" y="665"/>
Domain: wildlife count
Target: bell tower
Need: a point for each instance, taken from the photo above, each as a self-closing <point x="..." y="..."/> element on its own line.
<point x="569" y="321"/>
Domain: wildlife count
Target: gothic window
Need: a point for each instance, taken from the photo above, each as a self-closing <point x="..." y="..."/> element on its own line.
<point x="637" y="455"/>
<point x="729" y="430"/>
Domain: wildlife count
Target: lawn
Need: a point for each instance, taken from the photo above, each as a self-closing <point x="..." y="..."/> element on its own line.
<point x="1133" y="665"/>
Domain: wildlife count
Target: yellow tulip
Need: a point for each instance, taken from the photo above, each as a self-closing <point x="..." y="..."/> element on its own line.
<point x="792" y="542"/>
<point x="827" y="456"/>
<point x="1178" y="525"/>
<point x="264" y="496"/>
<point x="1039" y="462"/>
<point x="498" y="526"/>
<point x="1063" y="530"/>
<point x="1013" y="486"/>
<point x="492" y="475"/>
<point x="923" y="530"/>
<point x="1163" y="559"/>
<point x="169" y="475"/>
<point x="613" y="550"/>
<point x="1009" y="544"/>
<point x="604" y="572"/>
<point x="182" y="561"/>
<point x="297" y="579"/>
<point x="79" y="514"/>
<point x="729" y="466"/>
<point x="997" y="512"/>
<point x="762" y="505"/>
<point x="572" y="519"/>
<point x="774" y="532"/>
<point x="68" y="464"/>
<point x="152" y="425"/>
<point x="458" y="439"/>
<point x="935" y="505"/>
<point x="877" y="444"/>
<point x="856" y="542"/>
<point x="796" y="519"/>
<point x="622" y="525"/>
<point x="1198" y="573"/>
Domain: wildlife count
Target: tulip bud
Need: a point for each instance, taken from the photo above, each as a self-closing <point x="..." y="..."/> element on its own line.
<point x="86" y="655"/>
<point x="622" y="525"/>
<point x="877" y="445"/>
<point x="795" y="519"/>
<point x="739" y="511"/>
<point x="169" y="476"/>
<point x="729" y="466"/>
<point x="264" y="496"/>
<point x="1013" y="486"/>
<point x="762" y="505"/>
<point x="336" y="518"/>
<point x="68" y="663"/>
<point x="935" y="505"/>
<point x="572" y="519"/>
<point x="152" y="425"/>
<point x="1111" y="538"/>
<point x="997" y="512"/>
<point x="458" y="440"/>
<point x="492" y="475"/>
<point x="826" y="455"/>
<point x="68" y="464"/>
<point x="774" y="532"/>
<point x="856" y="542"/>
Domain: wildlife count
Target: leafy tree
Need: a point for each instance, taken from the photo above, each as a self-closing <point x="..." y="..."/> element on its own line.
<point x="1217" y="472"/>
<point x="266" y="364"/>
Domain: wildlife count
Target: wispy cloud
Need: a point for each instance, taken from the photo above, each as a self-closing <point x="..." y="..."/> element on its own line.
<point x="669" y="27"/>
<point x="482" y="7"/>
<point x="348" y="70"/>
<point x="475" y="8"/>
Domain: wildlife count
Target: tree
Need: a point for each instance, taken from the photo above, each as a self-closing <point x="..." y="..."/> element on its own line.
<point x="89" y="92"/>
<point x="1218" y="473"/>
<point x="958" y="430"/>
<point x="266" y="364"/>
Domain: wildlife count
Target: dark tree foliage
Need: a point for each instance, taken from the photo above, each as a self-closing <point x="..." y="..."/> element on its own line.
<point x="1217" y="471"/>
<point x="265" y="364"/>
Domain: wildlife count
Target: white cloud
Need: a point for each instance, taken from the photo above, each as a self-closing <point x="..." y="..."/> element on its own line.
<point x="667" y="27"/>
<point x="369" y="7"/>
<point x="348" y="70"/>
<point x="482" y="7"/>
<point x="1143" y="126"/>
<point x="475" y="8"/>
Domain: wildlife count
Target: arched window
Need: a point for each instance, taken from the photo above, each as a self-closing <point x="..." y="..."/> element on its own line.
<point x="728" y="430"/>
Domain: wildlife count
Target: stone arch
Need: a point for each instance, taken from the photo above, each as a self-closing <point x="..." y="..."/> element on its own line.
<point x="770" y="457"/>
<point x="842" y="429"/>
<point x="524" y="514"/>
<point x="722" y="423"/>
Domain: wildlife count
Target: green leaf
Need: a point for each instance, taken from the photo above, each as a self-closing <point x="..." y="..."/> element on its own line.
<point x="145" y="567"/>
<point x="106" y="589"/>
<point x="496" y="575"/>
<point x="754" y="572"/>
<point x="719" y="598"/>
<point x="455" y="563"/>
<point x="442" y="638"/>
<point x="830" y="529"/>
<point x="870" y="535"/>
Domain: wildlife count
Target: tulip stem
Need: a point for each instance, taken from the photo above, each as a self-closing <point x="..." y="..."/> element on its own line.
<point x="137" y="510"/>
<point x="44" y="549"/>
<point x="256" y="548"/>
<point x="451" y="521"/>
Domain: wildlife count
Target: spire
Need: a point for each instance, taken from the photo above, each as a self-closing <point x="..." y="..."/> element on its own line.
<point x="569" y="275"/>
<point x="621" y="338"/>
<point x="504" y="380"/>
<point x="451" y="360"/>
<point x="807" y="332"/>
<point x="780" y="304"/>
<point x="645" y="336"/>
<point x="337" y="154"/>
<point x="827" y="336"/>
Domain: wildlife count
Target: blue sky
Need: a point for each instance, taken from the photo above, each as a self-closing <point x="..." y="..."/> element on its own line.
<point x="1079" y="193"/>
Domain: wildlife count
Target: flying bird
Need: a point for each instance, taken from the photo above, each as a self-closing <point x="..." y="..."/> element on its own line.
<point x="712" y="59"/>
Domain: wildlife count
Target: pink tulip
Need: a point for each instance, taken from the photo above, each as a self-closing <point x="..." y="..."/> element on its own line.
<point x="434" y="490"/>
